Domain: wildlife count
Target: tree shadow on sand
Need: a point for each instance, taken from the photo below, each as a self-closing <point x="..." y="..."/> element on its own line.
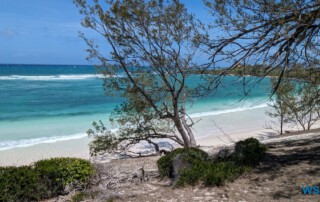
<point x="288" y="166"/>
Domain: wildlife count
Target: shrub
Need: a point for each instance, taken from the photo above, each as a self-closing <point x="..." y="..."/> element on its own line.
<point x="249" y="152"/>
<point x="165" y="163"/>
<point x="47" y="178"/>
<point x="212" y="172"/>
<point x="191" y="176"/>
<point x="20" y="184"/>
<point x="80" y="196"/>
<point x="57" y="173"/>
<point x="220" y="172"/>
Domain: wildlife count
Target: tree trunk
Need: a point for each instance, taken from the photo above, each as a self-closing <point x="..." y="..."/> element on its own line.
<point x="182" y="132"/>
<point x="188" y="129"/>
<point x="281" y="125"/>
<point x="309" y="121"/>
<point x="156" y="146"/>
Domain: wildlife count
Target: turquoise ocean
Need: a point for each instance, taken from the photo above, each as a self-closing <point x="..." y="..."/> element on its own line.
<point x="50" y="103"/>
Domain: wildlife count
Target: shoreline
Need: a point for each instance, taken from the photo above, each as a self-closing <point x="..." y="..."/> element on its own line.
<point x="27" y="155"/>
<point x="211" y="131"/>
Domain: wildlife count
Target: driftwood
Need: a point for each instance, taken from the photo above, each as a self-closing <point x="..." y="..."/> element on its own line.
<point x="111" y="177"/>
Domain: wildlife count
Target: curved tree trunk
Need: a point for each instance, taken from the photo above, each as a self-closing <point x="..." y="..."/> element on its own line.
<point x="187" y="127"/>
<point x="185" y="132"/>
<point x="182" y="132"/>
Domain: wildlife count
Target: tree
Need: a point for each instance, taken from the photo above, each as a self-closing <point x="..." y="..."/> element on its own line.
<point x="136" y="122"/>
<point x="153" y="44"/>
<point x="304" y="105"/>
<point x="296" y="102"/>
<point x="279" y="107"/>
<point x="274" y="33"/>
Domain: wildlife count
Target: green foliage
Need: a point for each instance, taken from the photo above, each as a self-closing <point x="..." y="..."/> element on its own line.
<point x="280" y="108"/>
<point x="107" y="142"/>
<point x="80" y="196"/>
<point x="213" y="172"/>
<point x="47" y="178"/>
<point x="143" y="127"/>
<point x="294" y="34"/>
<point x="296" y="102"/>
<point x="57" y="173"/>
<point x="249" y="152"/>
<point x="297" y="72"/>
<point x="153" y="80"/>
<point x="210" y="173"/>
<point x="220" y="172"/>
<point x="20" y="184"/>
<point x="165" y="163"/>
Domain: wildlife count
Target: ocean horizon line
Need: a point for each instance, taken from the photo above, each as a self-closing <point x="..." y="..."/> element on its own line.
<point x="40" y="64"/>
<point x="52" y="77"/>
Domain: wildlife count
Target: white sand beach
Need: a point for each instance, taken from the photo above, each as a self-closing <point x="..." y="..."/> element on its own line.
<point x="209" y="131"/>
<point x="212" y="130"/>
<point x="26" y="155"/>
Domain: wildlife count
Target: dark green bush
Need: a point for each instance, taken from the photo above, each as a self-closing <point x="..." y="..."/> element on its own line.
<point x="213" y="172"/>
<point x="220" y="172"/>
<point x="249" y="152"/>
<point x="57" y="173"/>
<point x="165" y="163"/>
<point x="191" y="176"/>
<point x="80" y="196"/>
<point x="47" y="178"/>
<point x="210" y="173"/>
<point x="20" y="184"/>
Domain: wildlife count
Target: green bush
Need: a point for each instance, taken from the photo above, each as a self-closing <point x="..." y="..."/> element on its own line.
<point x="210" y="173"/>
<point x="220" y="172"/>
<point x="80" y="196"/>
<point x="20" y="184"/>
<point x="165" y="163"/>
<point x="57" y="173"/>
<point x="249" y="152"/>
<point x="47" y="178"/>
<point x="213" y="172"/>
<point x="191" y="176"/>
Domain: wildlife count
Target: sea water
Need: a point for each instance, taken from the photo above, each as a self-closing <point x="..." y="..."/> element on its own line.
<point x="50" y="103"/>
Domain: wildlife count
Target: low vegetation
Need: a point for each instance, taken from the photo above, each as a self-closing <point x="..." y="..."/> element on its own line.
<point x="249" y="152"/>
<point x="212" y="171"/>
<point x="165" y="163"/>
<point x="45" y="179"/>
<point x="20" y="184"/>
<point x="57" y="176"/>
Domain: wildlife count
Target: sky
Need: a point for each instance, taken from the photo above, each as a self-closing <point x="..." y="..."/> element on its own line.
<point x="47" y="31"/>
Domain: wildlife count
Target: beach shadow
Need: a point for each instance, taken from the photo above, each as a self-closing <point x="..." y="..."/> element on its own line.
<point x="288" y="166"/>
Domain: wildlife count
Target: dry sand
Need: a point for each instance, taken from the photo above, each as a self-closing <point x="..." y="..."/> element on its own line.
<point x="210" y="131"/>
<point x="26" y="155"/>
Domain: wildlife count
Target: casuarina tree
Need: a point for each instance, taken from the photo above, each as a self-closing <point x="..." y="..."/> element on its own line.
<point x="152" y="46"/>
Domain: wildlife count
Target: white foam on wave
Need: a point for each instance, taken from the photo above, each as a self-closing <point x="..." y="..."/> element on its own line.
<point x="11" y="144"/>
<point x="5" y="145"/>
<point x="53" y="77"/>
<point x="225" y="111"/>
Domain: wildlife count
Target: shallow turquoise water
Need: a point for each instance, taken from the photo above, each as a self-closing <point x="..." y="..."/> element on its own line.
<point x="40" y="103"/>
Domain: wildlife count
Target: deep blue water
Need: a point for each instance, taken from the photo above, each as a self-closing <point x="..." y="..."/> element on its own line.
<point x="48" y="103"/>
